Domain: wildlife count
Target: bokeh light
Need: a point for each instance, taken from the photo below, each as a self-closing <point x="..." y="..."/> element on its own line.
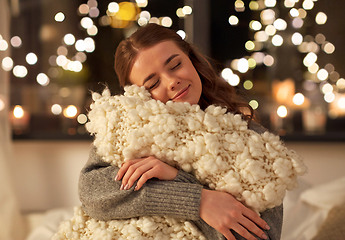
<point x="282" y="111"/>
<point x="59" y="17"/>
<point x="167" y="22"/>
<point x="56" y="109"/>
<point x="298" y="99"/>
<point x="254" y="104"/>
<point x="233" y="20"/>
<point x="321" y="18"/>
<point x="69" y="39"/>
<point x="42" y="79"/>
<point x="3" y="45"/>
<point x="248" y="84"/>
<point x="82" y="118"/>
<point x="20" y="71"/>
<point x="31" y="58"/>
<point x="7" y="64"/>
<point x="16" y="41"/>
<point x="83" y="9"/>
<point x="322" y="74"/>
<point x="18" y="111"/>
<point x="182" y="34"/>
<point x="277" y="40"/>
<point x="296" y="38"/>
<point x="70" y="112"/>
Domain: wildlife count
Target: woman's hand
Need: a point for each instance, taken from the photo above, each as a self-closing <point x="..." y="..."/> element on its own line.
<point x="223" y="212"/>
<point x="144" y="169"/>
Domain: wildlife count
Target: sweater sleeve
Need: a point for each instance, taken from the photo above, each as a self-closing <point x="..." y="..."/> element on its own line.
<point x="102" y="198"/>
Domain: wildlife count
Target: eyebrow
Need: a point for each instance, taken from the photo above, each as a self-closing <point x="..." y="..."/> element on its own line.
<point x="165" y="63"/>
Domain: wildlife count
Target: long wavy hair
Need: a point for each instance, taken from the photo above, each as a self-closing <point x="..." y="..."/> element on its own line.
<point x="215" y="90"/>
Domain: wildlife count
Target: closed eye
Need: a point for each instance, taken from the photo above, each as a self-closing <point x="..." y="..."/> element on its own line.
<point x="176" y="66"/>
<point x="154" y="85"/>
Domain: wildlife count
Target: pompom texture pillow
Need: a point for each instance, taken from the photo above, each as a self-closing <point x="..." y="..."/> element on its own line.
<point x="214" y="145"/>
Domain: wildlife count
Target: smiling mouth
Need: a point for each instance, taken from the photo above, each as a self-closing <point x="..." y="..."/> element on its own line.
<point x="180" y="93"/>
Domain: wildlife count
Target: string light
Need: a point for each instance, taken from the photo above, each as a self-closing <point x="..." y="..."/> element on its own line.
<point x="56" y="109"/>
<point x="59" y="17"/>
<point x="3" y="45"/>
<point x="18" y="111"/>
<point x="7" y="64"/>
<point x="70" y="112"/>
<point x="282" y="111"/>
<point x="42" y="79"/>
<point x="321" y="18"/>
<point x="296" y="38"/>
<point x="254" y="104"/>
<point x="166" y="22"/>
<point x="298" y="99"/>
<point x="187" y="10"/>
<point x="233" y="20"/>
<point x="16" y="41"/>
<point x="20" y="71"/>
<point x="182" y="34"/>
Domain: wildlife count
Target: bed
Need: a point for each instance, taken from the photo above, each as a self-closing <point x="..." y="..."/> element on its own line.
<point x="310" y="212"/>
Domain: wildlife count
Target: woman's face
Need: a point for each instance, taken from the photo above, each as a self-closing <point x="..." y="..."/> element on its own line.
<point x="167" y="72"/>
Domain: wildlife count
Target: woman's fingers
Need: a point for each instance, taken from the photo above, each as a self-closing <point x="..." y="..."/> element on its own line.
<point x="134" y="172"/>
<point x="249" y="225"/>
<point x="227" y="234"/>
<point x="124" y="168"/>
<point x="144" y="169"/>
<point x="223" y="212"/>
<point x="255" y="218"/>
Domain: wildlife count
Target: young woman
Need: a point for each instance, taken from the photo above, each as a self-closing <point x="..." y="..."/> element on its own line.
<point x="172" y="70"/>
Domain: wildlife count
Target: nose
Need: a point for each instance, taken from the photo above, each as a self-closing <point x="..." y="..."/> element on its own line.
<point x="173" y="82"/>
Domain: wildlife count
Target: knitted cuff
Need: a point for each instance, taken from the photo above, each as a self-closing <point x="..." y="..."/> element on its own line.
<point x="185" y="177"/>
<point x="174" y="199"/>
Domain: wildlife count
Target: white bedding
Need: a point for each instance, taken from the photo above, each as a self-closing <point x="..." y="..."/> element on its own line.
<point x="305" y="209"/>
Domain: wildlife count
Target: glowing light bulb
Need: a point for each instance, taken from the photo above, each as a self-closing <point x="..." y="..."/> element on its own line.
<point x="42" y="79"/>
<point x="71" y="111"/>
<point x="56" y="109"/>
<point x="296" y="38"/>
<point x="59" y="17"/>
<point x="167" y="21"/>
<point x="298" y="99"/>
<point x="321" y="18"/>
<point x="254" y="104"/>
<point x="18" y="111"/>
<point x="233" y="20"/>
<point x="226" y="73"/>
<point x="282" y="111"/>
<point x="322" y="74"/>
<point x="242" y="65"/>
<point x="277" y="40"/>
<point x="182" y="34"/>
<point x="69" y="39"/>
<point x="7" y="64"/>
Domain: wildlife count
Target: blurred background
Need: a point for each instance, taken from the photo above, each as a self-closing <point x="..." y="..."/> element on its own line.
<point x="286" y="57"/>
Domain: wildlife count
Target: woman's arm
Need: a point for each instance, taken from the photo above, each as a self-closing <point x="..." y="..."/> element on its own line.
<point x="102" y="198"/>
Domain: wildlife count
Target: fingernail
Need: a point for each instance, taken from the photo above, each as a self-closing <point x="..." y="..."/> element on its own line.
<point x="116" y="178"/>
<point x="263" y="236"/>
<point x="136" y="188"/>
<point x="267" y="227"/>
<point x="126" y="187"/>
<point x="121" y="188"/>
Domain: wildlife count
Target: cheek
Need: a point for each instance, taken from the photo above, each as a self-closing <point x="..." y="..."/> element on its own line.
<point x="158" y="94"/>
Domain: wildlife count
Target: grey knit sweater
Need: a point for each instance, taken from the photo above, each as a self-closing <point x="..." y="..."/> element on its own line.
<point x="102" y="198"/>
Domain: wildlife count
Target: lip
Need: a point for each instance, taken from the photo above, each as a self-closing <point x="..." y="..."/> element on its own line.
<point x="181" y="93"/>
